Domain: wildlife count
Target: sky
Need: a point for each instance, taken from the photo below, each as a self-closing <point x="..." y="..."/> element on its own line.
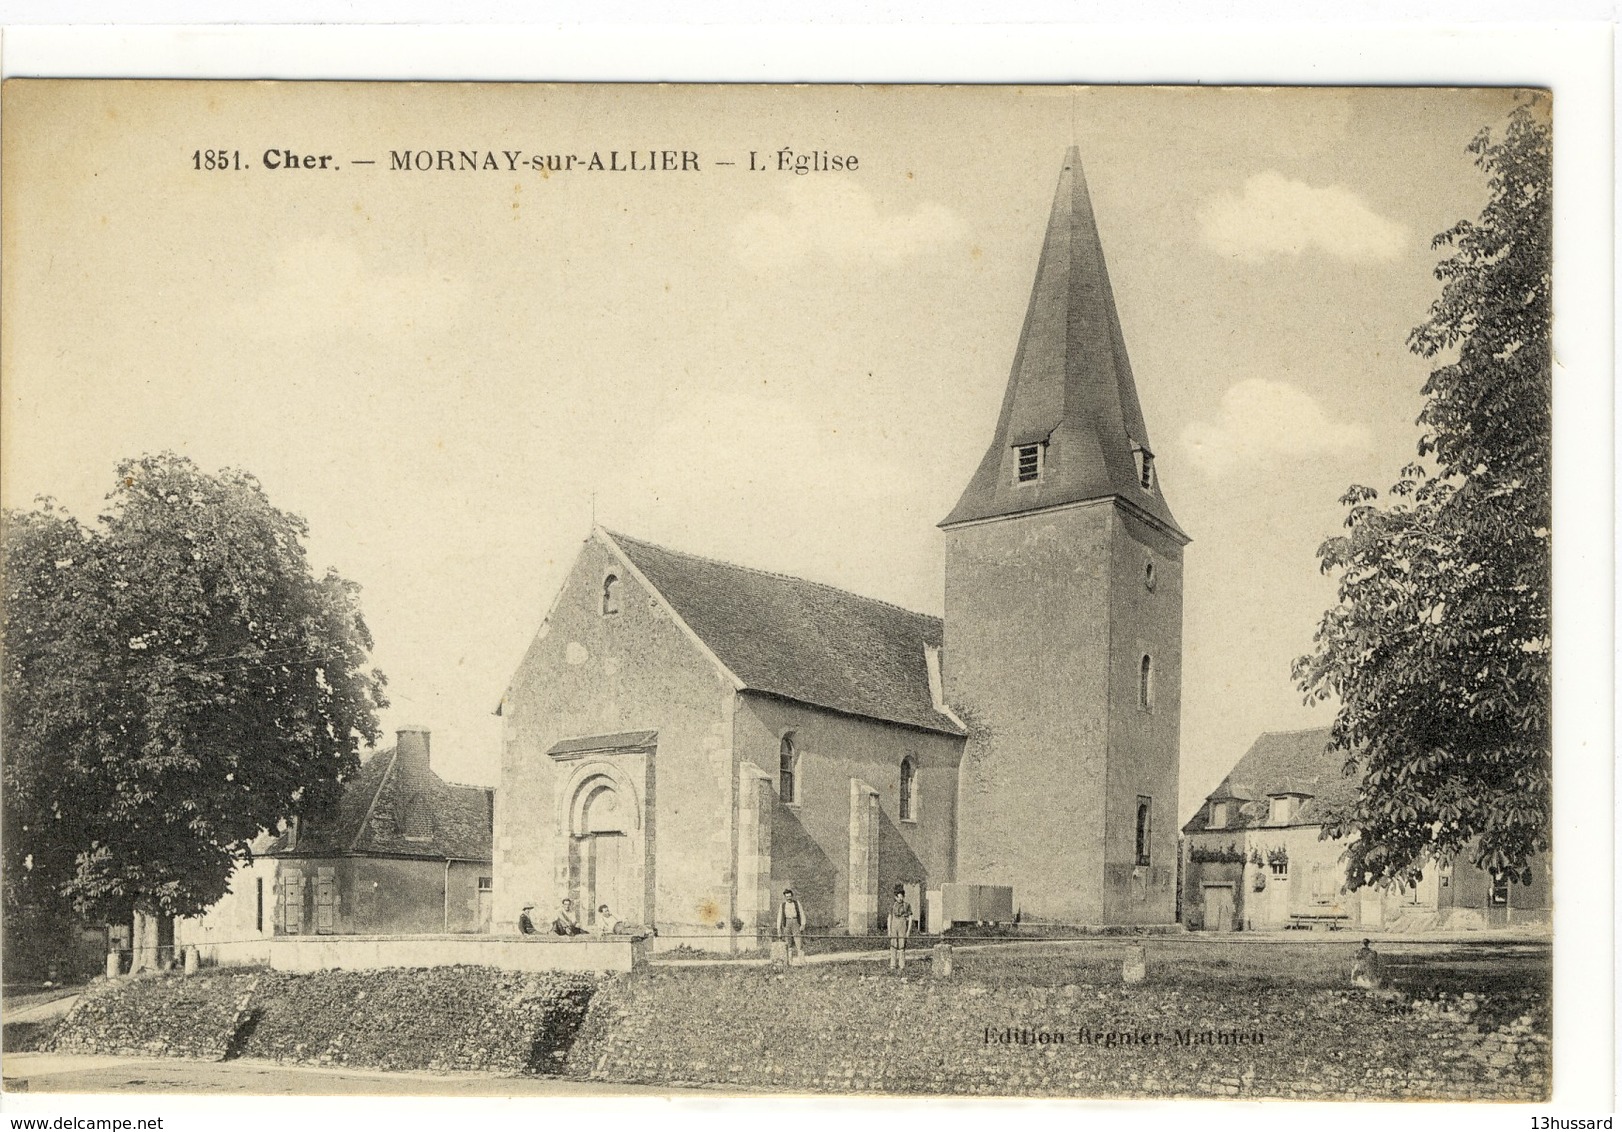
<point x="449" y="373"/>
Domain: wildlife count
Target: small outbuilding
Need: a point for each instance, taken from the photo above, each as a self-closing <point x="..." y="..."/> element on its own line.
<point x="405" y="852"/>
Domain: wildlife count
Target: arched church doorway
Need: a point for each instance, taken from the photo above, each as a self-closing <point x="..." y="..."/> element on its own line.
<point x="601" y="866"/>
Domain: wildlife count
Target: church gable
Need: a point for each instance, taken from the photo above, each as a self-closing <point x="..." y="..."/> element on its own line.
<point x="608" y="625"/>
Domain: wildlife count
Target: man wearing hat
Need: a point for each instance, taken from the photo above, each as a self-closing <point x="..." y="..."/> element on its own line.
<point x="790" y="923"/>
<point x="900" y="926"/>
<point x="526" y="926"/>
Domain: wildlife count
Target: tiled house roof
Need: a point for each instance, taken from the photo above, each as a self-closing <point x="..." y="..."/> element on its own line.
<point x="396" y="806"/>
<point x="1296" y="763"/>
<point x="801" y="640"/>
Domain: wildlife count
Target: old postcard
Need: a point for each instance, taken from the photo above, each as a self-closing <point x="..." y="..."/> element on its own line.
<point x="583" y="589"/>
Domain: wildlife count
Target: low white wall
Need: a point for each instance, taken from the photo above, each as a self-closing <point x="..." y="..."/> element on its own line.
<point x="512" y="953"/>
<point x="243" y="953"/>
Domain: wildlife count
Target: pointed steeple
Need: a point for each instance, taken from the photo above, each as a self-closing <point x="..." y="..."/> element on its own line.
<point x="1070" y="429"/>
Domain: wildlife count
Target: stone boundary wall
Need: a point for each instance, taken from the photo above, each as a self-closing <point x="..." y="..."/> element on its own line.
<point x="440" y="1019"/>
<point x="806" y="1031"/>
<point x="157" y="1015"/>
<point x="509" y="953"/>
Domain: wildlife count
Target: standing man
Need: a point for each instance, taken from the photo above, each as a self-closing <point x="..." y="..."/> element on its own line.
<point x="790" y="924"/>
<point x="900" y="927"/>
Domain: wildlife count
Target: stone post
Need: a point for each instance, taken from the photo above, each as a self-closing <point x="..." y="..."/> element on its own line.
<point x="1136" y="964"/>
<point x="112" y="963"/>
<point x="189" y="963"/>
<point x="941" y="964"/>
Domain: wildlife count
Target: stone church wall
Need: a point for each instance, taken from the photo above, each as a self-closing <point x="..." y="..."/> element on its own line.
<point x="1146" y="601"/>
<point x="811" y="840"/>
<point x="587" y="674"/>
<point x="1026" y="665"/>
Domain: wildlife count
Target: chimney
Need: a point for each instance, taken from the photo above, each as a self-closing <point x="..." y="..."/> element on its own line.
<point x="411" y="749"/>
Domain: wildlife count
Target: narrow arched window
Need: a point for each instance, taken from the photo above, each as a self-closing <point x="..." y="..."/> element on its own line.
<point x="1146" y="683"/>
<point x="611" y="595"/>
<point x="788" y="772"/>
<point x="909" y="789"/>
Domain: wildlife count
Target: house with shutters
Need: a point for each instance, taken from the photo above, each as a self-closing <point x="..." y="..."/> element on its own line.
<point x="685" y="737"/>
<point x="404" y="851"/>
<point x="1255" y="858"/>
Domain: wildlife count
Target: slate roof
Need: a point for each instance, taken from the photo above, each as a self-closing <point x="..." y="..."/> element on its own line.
<point x="801" y="640"/>
<point x="394" y="809"/>
<point x="1070" y="388"/>
<point x="1281" y="762"/>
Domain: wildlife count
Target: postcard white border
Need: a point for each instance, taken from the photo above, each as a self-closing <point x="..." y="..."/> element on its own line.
<point x="1367" y="47"/>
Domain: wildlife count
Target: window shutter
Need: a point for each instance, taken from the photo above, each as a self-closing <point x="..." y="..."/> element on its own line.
<point x="293" y="902"/>
<point x="326" y="901"/>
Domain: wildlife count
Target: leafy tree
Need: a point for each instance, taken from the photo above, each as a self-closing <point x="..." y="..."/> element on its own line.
<point x="175" y="680"/>
<point x="1438" y="649"/>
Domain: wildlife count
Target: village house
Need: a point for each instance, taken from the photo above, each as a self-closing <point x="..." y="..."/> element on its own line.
<point x="404" y="852"/>
<point x="1254" y="857"/>
<point x="685" y="738"/>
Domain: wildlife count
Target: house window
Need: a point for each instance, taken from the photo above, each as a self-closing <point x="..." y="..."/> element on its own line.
<point x="1499" y="896"/>
<point x="1029" y="466"/>
<point x="1144" y="830"/>
<point x="909" y="784"/>
<point x="1324" y="883"/>
<point x="611" y="595"/>
<point x="1279" y="810"/>
<point x="1279" y="868"/>
<point x="486" y="884"/>
<point x="1146" y="682"/>
<point x="1219" y="815"/>
<point x="788" y="772"/>
<point x="1149" y="576"/>
<point x="258" y="904"/>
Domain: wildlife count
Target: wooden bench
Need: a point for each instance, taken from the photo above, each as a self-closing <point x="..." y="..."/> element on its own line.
<point x="1306" y="921"/>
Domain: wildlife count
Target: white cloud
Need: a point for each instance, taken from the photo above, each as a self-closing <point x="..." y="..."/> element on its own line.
<point x="1275" y="215"/>
<point x="839" y="221"/>
<point x="323" y="283"/>
<point x="1262" y="423"/>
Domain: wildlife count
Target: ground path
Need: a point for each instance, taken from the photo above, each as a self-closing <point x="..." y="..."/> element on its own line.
<point x="86" y="1073"/>
<point x="1530" y="937"/>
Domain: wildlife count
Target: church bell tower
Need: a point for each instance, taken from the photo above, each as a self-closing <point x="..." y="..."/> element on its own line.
<point x="1064" y="614"/>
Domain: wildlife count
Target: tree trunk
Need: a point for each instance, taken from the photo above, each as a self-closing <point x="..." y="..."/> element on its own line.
<point x="166" y="942"/>
<point x="152" y="942"/>
<point x="143" y="942"/>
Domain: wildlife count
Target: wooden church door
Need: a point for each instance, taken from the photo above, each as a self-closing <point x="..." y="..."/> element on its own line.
<point x="605" y="856"/>
<point x="606" y="860"/>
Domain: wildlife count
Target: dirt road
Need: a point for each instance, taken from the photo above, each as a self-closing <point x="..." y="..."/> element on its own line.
<point x="63" y="1073"/>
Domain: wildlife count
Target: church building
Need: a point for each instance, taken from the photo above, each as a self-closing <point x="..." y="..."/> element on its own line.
<point x="685" y="738"/>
